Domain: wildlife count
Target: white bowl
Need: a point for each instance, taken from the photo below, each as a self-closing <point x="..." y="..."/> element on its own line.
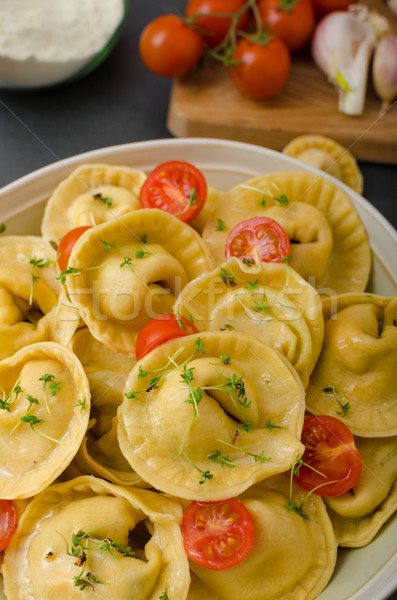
<point x="368" y="573"/>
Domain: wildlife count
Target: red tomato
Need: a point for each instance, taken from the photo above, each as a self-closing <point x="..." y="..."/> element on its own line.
<point x="8" y="521"/>
<point x="170" y="48"/>
<point x="218" y="535"/>
<point x="330" y="449"/>
<point x="292" y="20"/>
<point x="176" y="187"/>
<point x="215" y="28"/>
<point x="261" y="70"/>
<point x="159" y="330"/>
<point x="66" y="245"/>
<point x="259" y="237"/>
<point x="323" y="7"/>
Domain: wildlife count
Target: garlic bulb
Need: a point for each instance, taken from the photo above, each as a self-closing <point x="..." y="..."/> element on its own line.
<point x="342" y="47"/>
<point x="384" y="70"/>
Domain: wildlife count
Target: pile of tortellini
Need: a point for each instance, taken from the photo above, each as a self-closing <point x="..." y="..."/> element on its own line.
<point x="93" y="441"/>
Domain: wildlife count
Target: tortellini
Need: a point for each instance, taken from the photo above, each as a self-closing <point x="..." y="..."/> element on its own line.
<point x="131" y="270"/>
<point x="107" y="371"/>
<point x="271" y="302"/>
<point x="358" y="364"/>
<point x="220" y="394"/>
<point x="87" y="534"/>
<point x="293" y="556"/>
<point x="29" y="293"/>
<point x="44" y="412"/>
<point x="329" y="156"/>
<point x="329" y="245"/>
<point x="358" y="514"/>
<point x="91" y="195"/>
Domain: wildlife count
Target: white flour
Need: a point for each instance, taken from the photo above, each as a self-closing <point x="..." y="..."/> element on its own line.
<point x="45" y="39"/>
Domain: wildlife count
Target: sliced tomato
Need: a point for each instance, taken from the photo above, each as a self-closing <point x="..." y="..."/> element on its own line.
<point x="159" y="330"/>
<point x="8" y="520"/>
<point x="177" y="187"/>
<point x="67" y="243"/>
<point x="330" y="450"/>
<point x="218" y="535"/>
<point x="258" y="238"/>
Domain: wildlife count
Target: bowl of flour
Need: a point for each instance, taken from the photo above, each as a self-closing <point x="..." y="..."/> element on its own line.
<point x="50" y="42"/>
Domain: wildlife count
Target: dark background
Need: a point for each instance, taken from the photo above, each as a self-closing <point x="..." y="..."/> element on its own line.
<point x="119" y="102"/>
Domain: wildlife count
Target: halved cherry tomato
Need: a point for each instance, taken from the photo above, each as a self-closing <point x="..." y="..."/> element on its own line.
<point x="292" y="20"/>
<point x="67" y="243"/>
<point x="218" y="535"/>
<point x="177" y="187"/>
<point x="159" y="330"/>
<point x="262" y="69"/>
<point x="258" y="238"/>
<point x="168" y="47"/>
<point x="8" y="520"/>
<point x="214" y="27"/>
<point x="330" y="449"/>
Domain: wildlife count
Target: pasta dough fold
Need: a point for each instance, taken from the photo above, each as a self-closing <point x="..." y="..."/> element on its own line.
<point x="271" y="302"/>
<point x="358" y="363"/>
<point x="91" y="195"/>
<point x="87" y="533"/>
<point x="329" y="245"/>
<point x="44" y="414"/>
<point x="131" y="270"/>
<point x="221" y="394"/>
<point x="292" y="557"/>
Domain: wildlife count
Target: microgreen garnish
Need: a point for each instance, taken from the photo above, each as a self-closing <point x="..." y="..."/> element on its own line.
<point x="340" y="398"/>
<point x="220" y="225"/>
<point x="295" y="470"/>
<point x="82" y="403"/>
<point x="107" y="245"/>
<point x="248" y="261"/>
<point x="133" y="395"/>
<point x="193" y="199"/>
<point x="226" y="359"/>
<point x="3" y="227"/>
<point x="106" y="201"/>
<point x="257" y="457"/>
<point x="110" y="546"/>
<point x="141" y="253"/>
<point x="127" y="262"/>
<point x="228" y="279"/>
<point x="37" y="263"/>
<point x="53" y="386"/>
<point x="270" y="425"/>
<point x="8" y="400"/>
<point x="204" y="474"/>
<point x="75" y="271"/>
<point x="217" y="456"/>
<point x="179" y="321"/>
<point x="144" y="239"/>
<point x="164" y="595"/>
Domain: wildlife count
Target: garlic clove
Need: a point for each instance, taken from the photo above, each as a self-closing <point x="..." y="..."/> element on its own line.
<point x="384" y="70"/>
<point x="342" y="46"/>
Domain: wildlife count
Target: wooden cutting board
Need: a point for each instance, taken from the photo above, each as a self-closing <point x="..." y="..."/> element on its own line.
<point x="208" y="105"/>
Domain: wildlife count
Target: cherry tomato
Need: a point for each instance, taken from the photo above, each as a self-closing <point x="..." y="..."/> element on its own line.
<point x="8" y="521"/>
<point x="176" y="187"/>
<point x="159" y="330"/>
<point x="258" y="238"/>
<point x="170" y="48"/>
<point x="323" y="7"/>
<point x="218" y="535"/>
<point x="215" y="28"/>
<point x="66" y="245"/>
<point x="292" y="20"/>
<point x="260" y="70"/>
<point x="330" y="449"/>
